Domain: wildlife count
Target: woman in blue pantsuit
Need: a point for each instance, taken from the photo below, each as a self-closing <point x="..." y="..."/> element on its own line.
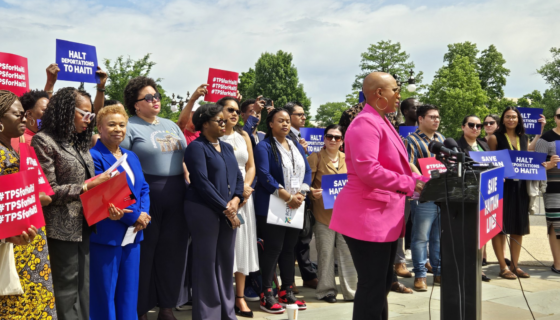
<point x="114" y="264"/>
<point x="213" y="197"/>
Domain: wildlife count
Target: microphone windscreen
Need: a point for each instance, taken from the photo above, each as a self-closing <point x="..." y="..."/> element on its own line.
<point x="435" y="146"/>
<point x="450" y="143"/>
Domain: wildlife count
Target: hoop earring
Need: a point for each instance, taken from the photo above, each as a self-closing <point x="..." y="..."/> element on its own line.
<point x="387" y="103"/>
<point x="2" y="127"/>
<point x="33" y="123"/>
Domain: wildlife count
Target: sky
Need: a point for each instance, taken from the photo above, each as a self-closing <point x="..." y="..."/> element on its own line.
<point x="326" y="37"/>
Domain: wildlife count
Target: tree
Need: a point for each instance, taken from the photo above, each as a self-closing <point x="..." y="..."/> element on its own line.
<point x="551" y="69"/>
<point x="329" y="113"/>
<point x="492" y="72"/>
<point x="275" y="77"/>
<point x="122" y="70"/>
<point x="388" y="57"/>
<point x="457" y="92"/>
<point x="463" y="49"/>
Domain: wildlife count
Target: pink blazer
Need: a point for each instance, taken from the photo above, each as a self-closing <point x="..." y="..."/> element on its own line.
<point x="370" y="207"/>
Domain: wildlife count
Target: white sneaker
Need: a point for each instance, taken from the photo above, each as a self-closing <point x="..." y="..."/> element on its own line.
<point x="408" y="254"/>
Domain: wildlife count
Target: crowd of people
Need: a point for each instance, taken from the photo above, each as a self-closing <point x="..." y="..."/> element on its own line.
<point x="204" y="187"/>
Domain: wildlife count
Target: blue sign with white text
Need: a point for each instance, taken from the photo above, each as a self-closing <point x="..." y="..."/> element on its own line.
<point x="331" y="185"/>
<point x="498" y="158"/>
<point x="314" y="138"/>
<point x="490" y="204"/>
<point x="404" y="131"/>
<point x="557" y="150"/>
<point x="531" y="118"/>
<point x="527" y="165"/>
<point x="77" y="62"/>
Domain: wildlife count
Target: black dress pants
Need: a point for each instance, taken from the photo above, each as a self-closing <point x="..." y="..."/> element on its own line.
<point x="374" y="264"/>
<point x="279" y="243"/>
<point x="302" y="256"/>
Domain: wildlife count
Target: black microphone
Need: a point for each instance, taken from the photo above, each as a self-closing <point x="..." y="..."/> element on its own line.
<point x="437" y="148"/>
<point x="451" y="144"/>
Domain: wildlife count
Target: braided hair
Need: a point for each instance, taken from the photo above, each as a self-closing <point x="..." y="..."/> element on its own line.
<point x="269" y="119"/>
<point x="7" y="98"/>
<point x="58" y="119"/>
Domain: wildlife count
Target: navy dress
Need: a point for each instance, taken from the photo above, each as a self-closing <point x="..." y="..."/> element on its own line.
<point x="215" y="180"/>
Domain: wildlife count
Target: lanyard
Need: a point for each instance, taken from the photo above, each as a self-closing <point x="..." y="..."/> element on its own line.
<point x="293" y="161"/>
<point x="509" y="141"/>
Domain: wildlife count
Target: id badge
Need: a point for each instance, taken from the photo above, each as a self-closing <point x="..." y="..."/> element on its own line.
<point x="295" y="183"/>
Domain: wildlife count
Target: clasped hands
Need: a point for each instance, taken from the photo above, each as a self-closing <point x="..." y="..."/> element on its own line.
<point x="231" y="212"/>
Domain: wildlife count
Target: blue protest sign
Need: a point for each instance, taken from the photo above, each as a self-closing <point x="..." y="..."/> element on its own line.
<point x="314" y="138"/>
<point x="331" y="185"/>
<point x="404" y="131"/>
<point x="557" y="150"/>
<point x="500" y="158"/>
<point x="531" y="118"/>
<point x="77" y="62"/>
<point x="490" y="205"/>
<point x="527" y="165"/>
<point x="362" y="97"/>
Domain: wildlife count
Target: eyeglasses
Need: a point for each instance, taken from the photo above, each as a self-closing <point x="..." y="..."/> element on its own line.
<point x="220" y="122"/>
<point x="557" y="116"/>
<point x="332" y="136"/>
<point x="232" y="110"/>
<point x="434" y="118"/>
<point x="489" y="123"/>
<point x="86" y="116"/>
<point x="472" y="125"/>
<point x="150" y="97"/>
<point x="510" y="117"/>
<point x="299" y="115"/>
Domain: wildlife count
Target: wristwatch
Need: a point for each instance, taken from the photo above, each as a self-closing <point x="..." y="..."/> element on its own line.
<point x="304" y="189"/>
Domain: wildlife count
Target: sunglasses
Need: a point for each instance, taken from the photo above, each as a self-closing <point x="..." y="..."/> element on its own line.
<point x="332" y="136"/>
<point x="472" y="125"/>
<point x="232" y="110"/>
<point x="86" y="116"/>
<point x="220" y="122"/>
<point x="557" y="116"/>
<point x="489" y="123"/>
<point x="150" y="97"/>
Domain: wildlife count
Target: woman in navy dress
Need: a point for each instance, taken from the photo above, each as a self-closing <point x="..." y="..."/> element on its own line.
<point x="211" y="205"/>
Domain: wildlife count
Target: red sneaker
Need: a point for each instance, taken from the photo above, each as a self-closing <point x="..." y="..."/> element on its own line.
<point x="269" y="303"/>
<point x="287" y="296"/>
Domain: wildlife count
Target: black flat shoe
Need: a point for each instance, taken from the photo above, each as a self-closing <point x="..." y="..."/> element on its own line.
<point x="554" y="269"/>
<point x="329" y="298"/>
<point x="485" y="278"/>
<point x="484" y="263"/>
<point x="246" y="314"/>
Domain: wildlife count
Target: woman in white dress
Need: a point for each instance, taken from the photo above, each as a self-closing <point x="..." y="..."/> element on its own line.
<point x="246" y="255"/>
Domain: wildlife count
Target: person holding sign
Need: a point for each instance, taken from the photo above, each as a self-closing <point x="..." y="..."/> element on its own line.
<point x="62" y="148"/>
<point x="211" y="206"/>
<point x="31" y="247"/>
<point x="369" y="211"/>
<point x="284" y="173"/>
<point x="160" y="146"/>
<point x="329" y="242"/>
<point x="511" y="136"/>
<point x="548" y="144"/>
<point x="115" y="246"/>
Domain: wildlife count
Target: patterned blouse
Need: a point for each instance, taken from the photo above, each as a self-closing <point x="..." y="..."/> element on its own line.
<point x="33" y="266"/>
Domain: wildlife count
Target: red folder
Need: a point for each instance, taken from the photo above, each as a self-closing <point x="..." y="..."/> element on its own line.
<point x="96" y="201"/>
<point x="29" y="161"/>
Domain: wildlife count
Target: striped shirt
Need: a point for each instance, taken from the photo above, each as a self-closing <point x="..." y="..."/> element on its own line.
<point x="417" y="145"/>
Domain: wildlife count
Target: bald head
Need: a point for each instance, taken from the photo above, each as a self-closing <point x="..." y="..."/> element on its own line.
<point x="377" y="80"/>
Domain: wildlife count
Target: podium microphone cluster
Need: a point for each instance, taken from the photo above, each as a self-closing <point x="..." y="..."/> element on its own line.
<point x="449" y="150"/>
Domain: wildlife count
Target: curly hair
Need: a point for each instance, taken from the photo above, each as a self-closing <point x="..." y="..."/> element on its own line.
<point x="58" y="119"/>
<point x="111" y="109"/>
<point x="111" y="102"/>
<point x="134" y="86"/>
<point x="7" y="98"/>
<point x="204" y="113"/>
<point x="30" y="98"/>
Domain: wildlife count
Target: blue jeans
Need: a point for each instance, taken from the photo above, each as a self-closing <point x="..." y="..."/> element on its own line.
<point x="425" y="230"/>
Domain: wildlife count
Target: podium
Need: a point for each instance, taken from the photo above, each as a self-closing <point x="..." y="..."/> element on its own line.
<point x="460" y="201"/>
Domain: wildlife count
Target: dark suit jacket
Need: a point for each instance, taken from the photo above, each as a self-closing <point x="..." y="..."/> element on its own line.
<point x="210" y="179"/>
<point x="466" y="148"/>
<point x="111" y="232"/>
<point x="66" y="169"/>
<point x="249" y="127"/>
<point x="270" y="174"/>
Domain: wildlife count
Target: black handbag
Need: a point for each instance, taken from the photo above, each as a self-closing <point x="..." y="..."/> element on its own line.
<point x="308" y="220"/>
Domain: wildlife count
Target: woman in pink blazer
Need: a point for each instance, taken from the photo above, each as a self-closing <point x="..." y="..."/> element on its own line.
<point x="369" y="211"/>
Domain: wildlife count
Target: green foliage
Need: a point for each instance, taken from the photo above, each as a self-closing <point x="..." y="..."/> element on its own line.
<point x="329" y="113"/>
<point x="388" y="57"/>
<point x="492" y="72"/>
<point x="122" y="70"/>
<point x="551" y="69"/>
<point x="353" y="98"/>
<point x="464" y="49"/>
<point x="275" y="77"/>
<point x="457" y="92"/>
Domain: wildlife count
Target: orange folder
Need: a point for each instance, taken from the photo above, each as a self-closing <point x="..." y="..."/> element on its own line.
<point x="96" y="201"/>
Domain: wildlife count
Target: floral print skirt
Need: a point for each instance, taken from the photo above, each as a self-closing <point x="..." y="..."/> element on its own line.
<point x="34" y="270"/>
